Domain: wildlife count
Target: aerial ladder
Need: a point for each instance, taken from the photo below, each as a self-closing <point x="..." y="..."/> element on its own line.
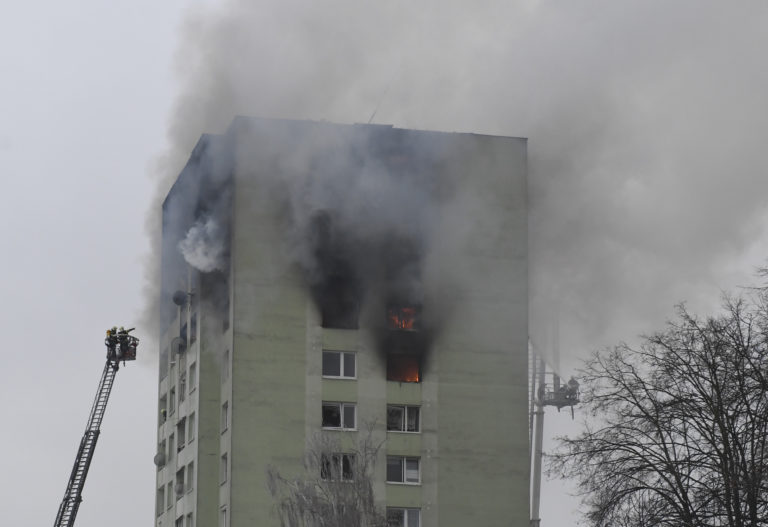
<point x="121" y="347"/>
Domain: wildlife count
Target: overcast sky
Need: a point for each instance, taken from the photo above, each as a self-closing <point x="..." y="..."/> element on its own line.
<point x="646" y="126"/>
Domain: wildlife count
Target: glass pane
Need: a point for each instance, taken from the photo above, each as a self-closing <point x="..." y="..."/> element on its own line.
<point x="332" y="363"/>
<point x="413" y="517"/>
<point x="331" y="416"/>
<point x="413" y="419"/>
<point x="348" y="467"/>
<point x="395" y="418"/>
<point x="412" y="470"/>
<point x="325" y="467"/>
<point x="349" y="416"/>
<point x="395" y="469"/>
<point x="349" y="365"/>
<point x="395" y="517"/>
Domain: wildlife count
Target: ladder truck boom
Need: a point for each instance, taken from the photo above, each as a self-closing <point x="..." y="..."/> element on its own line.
<point x="121" y="347"/>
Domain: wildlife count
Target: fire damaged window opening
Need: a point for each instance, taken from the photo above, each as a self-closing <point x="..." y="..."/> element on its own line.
<point x="403" y="418"/>
<point x="403" y="318"/>
<point x="337" y="467"/>
<point x="339" y="299"/>
<point x="339" y="416"/>
<point x="403" y="368"/>
<point x="339" y="364"/>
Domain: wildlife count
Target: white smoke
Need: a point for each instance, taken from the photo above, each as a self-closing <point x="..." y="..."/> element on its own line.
<point x="204" y="247"/>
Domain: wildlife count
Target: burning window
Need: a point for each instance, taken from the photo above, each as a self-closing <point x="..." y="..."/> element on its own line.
<point x="339" y="300"/>
<point x="403" y="368"/>
<point x="403" y="318"/>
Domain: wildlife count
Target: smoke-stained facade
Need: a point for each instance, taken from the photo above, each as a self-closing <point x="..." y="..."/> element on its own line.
<point x="335" y="277"/>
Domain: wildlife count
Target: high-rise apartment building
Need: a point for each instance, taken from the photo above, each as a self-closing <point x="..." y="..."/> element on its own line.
<point x="324" y="280"/>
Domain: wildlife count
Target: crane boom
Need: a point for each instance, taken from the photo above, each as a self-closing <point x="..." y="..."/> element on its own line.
<point x="120" y="347"/>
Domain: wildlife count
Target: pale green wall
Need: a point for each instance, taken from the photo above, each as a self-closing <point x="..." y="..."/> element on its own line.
<point x="268" y="366"/>
<point x="474" y="442"/>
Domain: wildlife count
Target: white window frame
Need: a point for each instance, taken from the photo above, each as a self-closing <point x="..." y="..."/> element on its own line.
<point x="223" y="468"/>
<point x="191" y="427"/>
<point x="172" y="400"/>
<point x="180" y="479"/>
<point x="341" y="355"/>
<point x="406" y="408"/>
<point x="189" y="520"/>
<point x="181" y="434"/>
<point x="342" y="407"/>
<point x="182" y="387"/>
<point x="223" y="518"/>
<point x="192" y="381"/>
<point x="160" y="500"/>
<point x="337" y="459"/>
<point x="404" y="470"/>
<point x="189" y="481"/>
<point x="224" y="416"/>
<point x="405" y="511"/>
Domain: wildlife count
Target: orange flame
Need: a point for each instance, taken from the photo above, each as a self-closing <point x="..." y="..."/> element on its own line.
<point x="401" y="318"/>
<point x="403" y="368"/>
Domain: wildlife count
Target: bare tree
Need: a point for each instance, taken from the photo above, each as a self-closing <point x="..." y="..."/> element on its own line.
<point x="677" y="429"/>
<point x="336" y="489"/>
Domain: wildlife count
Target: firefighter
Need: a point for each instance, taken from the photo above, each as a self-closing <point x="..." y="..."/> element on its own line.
<point x="111" y="342"/>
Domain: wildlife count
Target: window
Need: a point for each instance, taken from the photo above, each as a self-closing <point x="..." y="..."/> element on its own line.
<point x="338" y="364"/>
<point x="163" y="363"/>
<point x="223" y="469"/>
<point x="180" y="521"/>
<point x="225" y="315"/>
<point x="225" y="366"/>
<point x="172" y="401"/>
<point x="169" y="496"/>
<point x="163" y="409"/>
<point x="225" y="416"/>
<point x="170" y="447"/>
<point x="179" y="488"/>
<point x="223" y="517"/>
<point x="403" y="318"/>
<point x="182" y="386"/>
<point x="193" y="329"/>
<point x="189" y="484"/>
<point x="403" y="368"/>
<point x="161" y="457"/>
<point x="191" y="428"/>
<point x="339" y="415"/>
<point x="160" y="502"/>
<point x="181" y="432"/>
<point x="403" y="517"/>
<point x="402" y="418"/>
<point x="402" y="469"/>
<point x="337" y="467"/>
<point x="192" y="377"/>
<point x="190" y="520"/>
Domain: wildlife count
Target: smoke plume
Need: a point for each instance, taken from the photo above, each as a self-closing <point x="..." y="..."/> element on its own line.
<point x="204" y="246"/>
<point x="644" y="118"/>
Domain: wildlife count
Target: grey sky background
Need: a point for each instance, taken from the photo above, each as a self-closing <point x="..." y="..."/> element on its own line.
<point x="646" y="123"/>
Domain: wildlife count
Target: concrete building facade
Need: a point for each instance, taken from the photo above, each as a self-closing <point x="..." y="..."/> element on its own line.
<point x="267" y="342"/>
